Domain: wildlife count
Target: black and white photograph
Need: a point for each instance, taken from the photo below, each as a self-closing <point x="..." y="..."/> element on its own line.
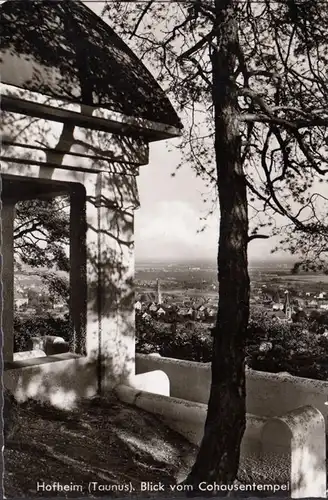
<point x="164" y="248"/>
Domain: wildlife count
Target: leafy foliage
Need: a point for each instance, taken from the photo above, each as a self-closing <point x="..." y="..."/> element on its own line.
<point x="41" y="239"/>
<point x="294" y="349"/>
<point x="318" y="322"/>
<point x="41" y="232"/>
<point x="190" y="340"/>
<point x="39" y="326"/>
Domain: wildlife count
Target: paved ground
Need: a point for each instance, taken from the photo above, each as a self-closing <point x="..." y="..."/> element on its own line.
<point x="105" y="442"/>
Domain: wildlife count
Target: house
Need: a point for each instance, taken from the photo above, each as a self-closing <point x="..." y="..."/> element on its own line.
<point x="146" y="316"/>
<point x="59" y="304"/>
<point x="313" y="303"/>
<point x="277" y="306"/>
<point x="152" y="307"/>
<point x="185" y="312"/>
<point x="210" y="312"/>
<point x="20" y="301"/>
<point x="198" y="312"/>
<point x="30" y="310"/>
<point x="138" y="305"/>
<point x="197" y="316"/>
<point x="160" y="312"/>
<point x="281" y="316"/>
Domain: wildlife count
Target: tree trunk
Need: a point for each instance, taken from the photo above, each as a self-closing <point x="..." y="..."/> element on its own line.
<point x="218" y="457"/>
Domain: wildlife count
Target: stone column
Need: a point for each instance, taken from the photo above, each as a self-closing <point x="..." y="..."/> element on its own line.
<point x="78" y="302"/>
<point x="7" y="250"/>
<point x="110" y="333"/>
<point x="116" y="270"/>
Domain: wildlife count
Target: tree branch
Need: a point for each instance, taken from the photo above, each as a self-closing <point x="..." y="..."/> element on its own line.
<point x="257" y="236"/>
<point x="192" y="50"/>
<point x="144" y="12"/>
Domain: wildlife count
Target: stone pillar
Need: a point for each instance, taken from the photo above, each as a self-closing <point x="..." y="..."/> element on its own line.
<point x="93" y="319"/>
<point x="110" y="321"/>
<point x="7" y="250"/>
<point x="296" y="442"/>
<point x="78" y="302"/>
<point x="117" y="297"/>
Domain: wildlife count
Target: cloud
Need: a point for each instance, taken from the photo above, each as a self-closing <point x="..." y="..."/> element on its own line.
<point x="169" y="230"/>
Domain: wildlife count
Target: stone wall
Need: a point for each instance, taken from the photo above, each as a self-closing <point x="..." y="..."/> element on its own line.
<point x="268" y="394"/>
<point x="60" y="380"/>
<point x="288" y="451"/>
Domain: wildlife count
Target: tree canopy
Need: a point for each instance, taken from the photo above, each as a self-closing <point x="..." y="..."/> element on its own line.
<point x="41" y="240"/>
<point x="280" y="80"/>
<point x="41" y="233"/>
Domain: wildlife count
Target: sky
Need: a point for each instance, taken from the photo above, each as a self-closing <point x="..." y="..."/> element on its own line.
<point x="168" y="221"/>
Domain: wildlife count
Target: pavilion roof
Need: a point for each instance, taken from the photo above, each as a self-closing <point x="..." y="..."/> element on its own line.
<point x="62" y="49"/>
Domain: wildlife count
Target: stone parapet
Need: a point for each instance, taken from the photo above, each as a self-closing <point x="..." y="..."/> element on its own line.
<point x="288" y="450"/>
<point x="267" y="394"/>
<point x="299" y="438"/>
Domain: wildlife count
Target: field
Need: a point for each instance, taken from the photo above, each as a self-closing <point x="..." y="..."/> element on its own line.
<point x="304" y="278"/>
<point x="189" y="292"/>
<point x="197" y="282"/>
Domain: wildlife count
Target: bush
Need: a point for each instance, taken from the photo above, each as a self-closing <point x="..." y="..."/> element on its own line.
<point x="189" y="344"/>
<point x="294" y="350"/>
<point x="318" y="321"/>
<point x="190" y="341"/>
<point x="38" y="326"/>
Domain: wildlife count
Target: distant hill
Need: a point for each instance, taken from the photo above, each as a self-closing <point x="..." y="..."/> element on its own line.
<point x="273" y="262"/>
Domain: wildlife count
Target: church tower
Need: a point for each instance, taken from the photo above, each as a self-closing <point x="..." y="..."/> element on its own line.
<point x="278" y="301"/>
<point x="287" y="307"/>
<point x="159" y="293"/>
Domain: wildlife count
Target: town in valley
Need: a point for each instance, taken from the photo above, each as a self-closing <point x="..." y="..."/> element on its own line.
<point x="189" y="291"/>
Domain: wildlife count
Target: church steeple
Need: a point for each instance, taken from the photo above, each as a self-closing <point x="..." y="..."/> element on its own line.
<point x="159" y="293"/>
<point x="287" y="307"/>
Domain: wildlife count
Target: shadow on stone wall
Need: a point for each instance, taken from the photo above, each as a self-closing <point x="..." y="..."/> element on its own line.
<point x="106" y="219"/>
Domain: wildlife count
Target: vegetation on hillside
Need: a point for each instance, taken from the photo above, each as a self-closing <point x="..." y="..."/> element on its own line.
<point x="271" y="346"/>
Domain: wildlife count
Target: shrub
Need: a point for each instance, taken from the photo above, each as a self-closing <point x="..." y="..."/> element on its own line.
<point x="190" y="341"/>
<point x="189" y="344"/>
<point x="38" y="326"/>
<point x="294" y="350"/>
